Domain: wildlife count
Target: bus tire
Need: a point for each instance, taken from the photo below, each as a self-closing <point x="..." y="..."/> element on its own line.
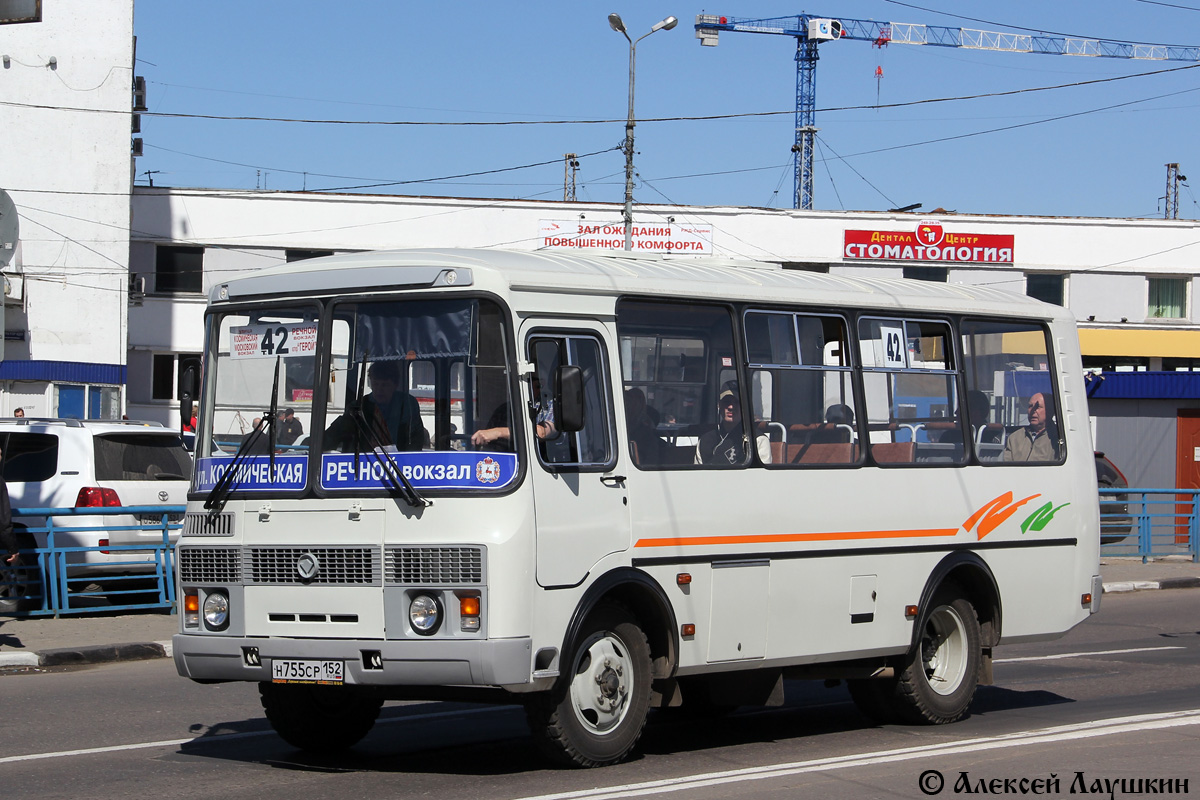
<point x="941" y="673"/>
<point x="937" y="679"/>
<point x="319" y="718"/>
<point x="596" y="713"/>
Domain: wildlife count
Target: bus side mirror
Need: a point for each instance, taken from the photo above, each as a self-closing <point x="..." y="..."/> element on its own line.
<point x="187" y="391"/>
<point x="569" y="400"/>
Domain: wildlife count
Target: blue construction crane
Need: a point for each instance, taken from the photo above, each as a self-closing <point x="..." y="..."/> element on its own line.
<point x="810" y="30"/>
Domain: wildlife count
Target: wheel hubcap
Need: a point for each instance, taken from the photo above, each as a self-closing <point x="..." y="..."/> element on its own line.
<point x="944" y="650"/>
<point x="602" y="683"/>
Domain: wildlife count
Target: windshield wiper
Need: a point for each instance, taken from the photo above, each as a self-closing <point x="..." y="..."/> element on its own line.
<point x="219" y="496"/>
<point x="393" y="475"/>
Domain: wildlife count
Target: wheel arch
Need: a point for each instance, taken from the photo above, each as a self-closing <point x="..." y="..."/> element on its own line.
<point x="646" y="601"/>
<point x="971" y="573"/>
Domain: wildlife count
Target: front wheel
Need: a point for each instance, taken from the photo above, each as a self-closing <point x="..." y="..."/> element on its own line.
<point x="319" y="718"/>
<point x="596" y="713"/>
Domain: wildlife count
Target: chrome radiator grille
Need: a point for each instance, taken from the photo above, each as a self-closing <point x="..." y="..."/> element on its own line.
<point x="433" y="566"/>
<point x="342" y="566"/>
<point x="206" y="565"/>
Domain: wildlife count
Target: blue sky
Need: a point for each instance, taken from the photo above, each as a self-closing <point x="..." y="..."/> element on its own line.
<point x="552" y="63"/>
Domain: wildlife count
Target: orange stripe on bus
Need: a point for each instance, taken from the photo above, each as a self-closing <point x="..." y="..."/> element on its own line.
<point x="696" y="541"/>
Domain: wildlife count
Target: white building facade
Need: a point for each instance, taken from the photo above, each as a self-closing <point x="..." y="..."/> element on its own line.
<point x="66" y="68"/>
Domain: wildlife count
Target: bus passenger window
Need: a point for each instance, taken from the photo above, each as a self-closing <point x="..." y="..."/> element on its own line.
<point x="802" y="389"/>
<point x="1015" y="414"/>
<point x="681" y="360"/>
<point x="911" y="385"/>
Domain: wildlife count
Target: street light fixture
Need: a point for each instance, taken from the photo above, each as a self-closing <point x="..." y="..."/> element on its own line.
<point x="615" y="22"/>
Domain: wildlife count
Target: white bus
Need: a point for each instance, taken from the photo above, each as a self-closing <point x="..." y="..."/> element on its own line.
<point x="628" y="482"/>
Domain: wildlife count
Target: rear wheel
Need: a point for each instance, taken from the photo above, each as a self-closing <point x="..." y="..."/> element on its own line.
<point x="937" y="680"/>
<point x="596" y="713"/>
<point x="319" y="718"/>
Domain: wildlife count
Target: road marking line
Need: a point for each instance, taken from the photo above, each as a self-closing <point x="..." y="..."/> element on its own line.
<point x="227" y="737"/>
<point x="1085" y="655"/>
<point x="1073" y="732"/>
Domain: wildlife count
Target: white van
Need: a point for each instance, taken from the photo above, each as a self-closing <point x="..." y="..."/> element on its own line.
<point x="61" y="463"/>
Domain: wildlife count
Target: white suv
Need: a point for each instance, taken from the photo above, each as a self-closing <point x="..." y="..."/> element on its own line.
<point x="57" y="463"/>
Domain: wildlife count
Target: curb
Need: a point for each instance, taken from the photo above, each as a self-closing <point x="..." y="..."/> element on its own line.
<point x="1138" y="586"/>
<point x="93" y="654"/>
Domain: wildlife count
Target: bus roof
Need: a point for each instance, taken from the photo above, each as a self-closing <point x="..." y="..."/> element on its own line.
<point x="619" y="273"/>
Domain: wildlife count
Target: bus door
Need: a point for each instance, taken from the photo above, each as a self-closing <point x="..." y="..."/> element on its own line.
<point x="581" y="512"/>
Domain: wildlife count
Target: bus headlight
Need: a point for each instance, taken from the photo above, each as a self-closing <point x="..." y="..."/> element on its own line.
<point x="425" y="614"/>
<point x="216" y="610"/>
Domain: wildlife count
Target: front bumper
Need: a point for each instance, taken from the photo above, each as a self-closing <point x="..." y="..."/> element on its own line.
<point x="426" y="662"/>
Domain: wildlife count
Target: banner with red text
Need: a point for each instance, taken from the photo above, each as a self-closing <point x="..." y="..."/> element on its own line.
<point x="929" y="242"/>
<point x="664" y="237"/>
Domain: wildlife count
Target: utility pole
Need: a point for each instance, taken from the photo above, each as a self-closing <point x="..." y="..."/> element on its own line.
<point x="1173" y="181"/>
<point x="570" y="167"/>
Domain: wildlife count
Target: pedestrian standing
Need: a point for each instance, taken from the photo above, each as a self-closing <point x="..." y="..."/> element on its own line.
<point x="8" y="539"/>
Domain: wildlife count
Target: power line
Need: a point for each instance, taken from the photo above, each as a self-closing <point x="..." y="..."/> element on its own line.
<point x="375" y="185"/>
<point x="692" y="118"/>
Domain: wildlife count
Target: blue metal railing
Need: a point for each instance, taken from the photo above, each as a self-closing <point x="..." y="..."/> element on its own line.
<point x="1150" y="523"/>
<point x="51" y="579"/>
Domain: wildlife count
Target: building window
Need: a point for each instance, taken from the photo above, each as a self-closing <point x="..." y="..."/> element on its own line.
<point x="178" y="270"/>
<point x="301" y="255"/>
<point x="1047" y="288"/>
<point x="1115" y="364"/>
<point x="934" y="274"/>
<point x="75" y="401"/>
<point x="1167" y="299"/>
<point x="20" y="11"/>
<point x="164" y="382"/>
<point x="807" y="266"/>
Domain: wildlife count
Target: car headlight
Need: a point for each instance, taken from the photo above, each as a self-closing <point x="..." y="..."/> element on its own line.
<point x="425" y="614"/>
<point x="216" y="610"/>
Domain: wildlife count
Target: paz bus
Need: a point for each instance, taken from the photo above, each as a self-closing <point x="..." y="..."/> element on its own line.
<point x="629" y="482"/>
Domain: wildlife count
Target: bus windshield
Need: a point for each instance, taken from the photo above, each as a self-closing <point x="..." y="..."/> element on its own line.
<point x="415" y="390"/>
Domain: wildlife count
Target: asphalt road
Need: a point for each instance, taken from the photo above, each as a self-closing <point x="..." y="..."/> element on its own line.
<point x="1118" y="698"/>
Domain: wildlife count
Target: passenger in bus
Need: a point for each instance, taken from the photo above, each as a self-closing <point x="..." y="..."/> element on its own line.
<point x="392" y="413"/>
<point x="290" y="428"/>
<point x="1037" y="440"/>
<point x="839" y="414"/>
<point x="259" y="441"/>
<point x="498" y="436"/>
<point x="648" y="448"/>
<point x="842" y="416"/>
<point x="724" y="446"/>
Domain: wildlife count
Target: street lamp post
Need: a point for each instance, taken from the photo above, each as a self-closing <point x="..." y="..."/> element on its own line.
<point x="614" y="20"/>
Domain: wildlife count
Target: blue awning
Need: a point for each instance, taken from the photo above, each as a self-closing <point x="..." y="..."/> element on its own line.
<point x="1144" y="386"/>
<point x="63" y="372"/>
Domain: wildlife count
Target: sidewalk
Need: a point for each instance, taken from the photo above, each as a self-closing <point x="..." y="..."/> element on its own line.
<point x="100" y="638"/>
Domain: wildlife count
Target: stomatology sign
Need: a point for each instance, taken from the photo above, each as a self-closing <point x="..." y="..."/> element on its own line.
<point x="660" y="237"/>
<point x="928" y="242"/>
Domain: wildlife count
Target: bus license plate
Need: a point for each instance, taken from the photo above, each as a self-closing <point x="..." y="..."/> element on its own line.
<point x="302" y="671"/>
